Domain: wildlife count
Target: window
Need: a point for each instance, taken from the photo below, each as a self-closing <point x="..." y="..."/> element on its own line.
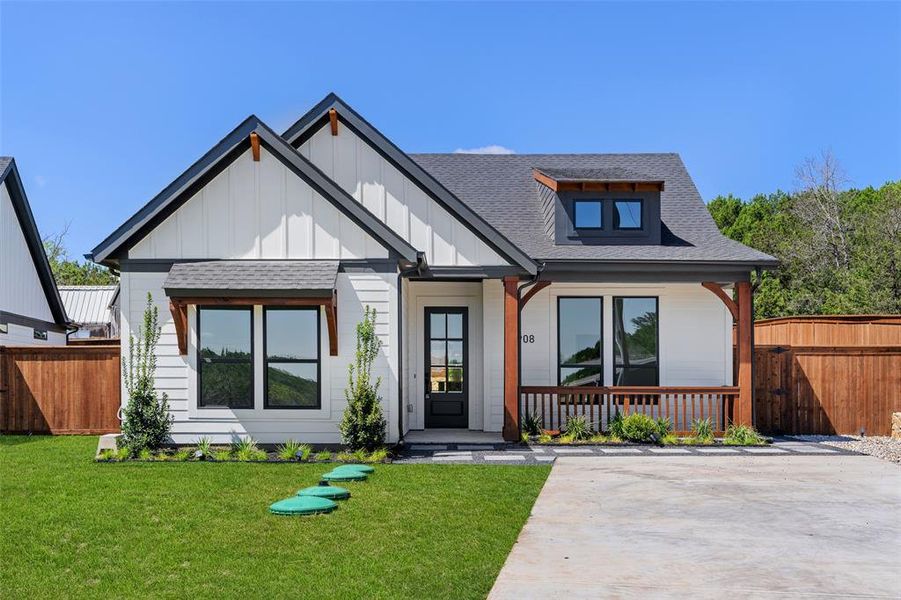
<point x="40" y="334"/>
<point x="627" y="214"/>
<point x="225" y="357"/>
<point x="587" y="214"/>
<point x="579" y="357"/>
<point x="4" y="328"/>
<point x="292" y="357"/>
<point x="635" y="341"/>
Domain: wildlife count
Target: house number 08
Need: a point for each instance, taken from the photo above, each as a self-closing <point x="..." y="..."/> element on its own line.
<point x="528" y="339"/>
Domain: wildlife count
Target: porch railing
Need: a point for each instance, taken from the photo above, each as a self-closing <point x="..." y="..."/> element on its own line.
<point x="682" y="405"/>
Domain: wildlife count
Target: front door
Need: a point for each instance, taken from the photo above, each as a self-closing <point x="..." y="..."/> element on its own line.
<point x="446" y="367"/>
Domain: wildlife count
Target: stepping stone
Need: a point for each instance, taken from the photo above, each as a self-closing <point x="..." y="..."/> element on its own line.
<point x="302" y="505"/>
<point x="813" y="450"/>
<point x="572" y="450"/>
<point x="670" y="451"/>
<point x="717" y="450"/>
<point x="332" y="492"/>
<point x="764" y="450"/>
<point x="452" y="454"/>
<point x="355" y="467"/>
<point x="345" y="475"/>
<point x="450" y="458"/>
<point x="427" y="447"/>
<point x="504" y="457"/>
<point x="538" y="450"/>
<point x="621" y="450"/>
<point x="546" y="458"/>
<point x="475" y="447"/>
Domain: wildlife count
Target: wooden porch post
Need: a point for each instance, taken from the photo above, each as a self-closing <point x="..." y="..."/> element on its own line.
<point x="511" y="359"/>
<point x="743" y="411"/>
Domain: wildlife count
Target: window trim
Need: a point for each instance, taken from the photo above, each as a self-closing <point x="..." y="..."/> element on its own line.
<point x="200" y="404"/>
<point x="560" y="365"/>
<point x="575" y="203"/>
<point x="656" y="300"/>
<point x="318" y="360"/>
<point x="613" y="215"/>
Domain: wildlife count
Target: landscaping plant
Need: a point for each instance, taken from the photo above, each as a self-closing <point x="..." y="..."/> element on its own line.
<point x="742" y="435"/>
<point x="245" y="450"/>
<point x="615" y="426"/>
<point x="702" y="431"/>
<point x="204" y="448"/>
<point x="293" y="450"/>
<point x="146" y="420"/>
<point x="577" y="428"/>
<point x="533" y="424"/>
<point x="639" y="427"/>
<point x="363" y="425"/>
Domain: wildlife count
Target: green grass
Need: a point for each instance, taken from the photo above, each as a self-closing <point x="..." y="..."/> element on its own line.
<point x="70" y="527"/>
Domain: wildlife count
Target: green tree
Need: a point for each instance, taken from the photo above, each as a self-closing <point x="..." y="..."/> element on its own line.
<point x="73" y="272"/>
<point x="363" y="425"/>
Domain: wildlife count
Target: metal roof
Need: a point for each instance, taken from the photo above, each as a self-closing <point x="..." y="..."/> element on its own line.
<point x="252" y="278"/>
<point x="89" y="304"/>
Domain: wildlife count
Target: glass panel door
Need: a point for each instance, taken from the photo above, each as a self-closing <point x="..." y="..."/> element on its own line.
<point x="446" y="396"/>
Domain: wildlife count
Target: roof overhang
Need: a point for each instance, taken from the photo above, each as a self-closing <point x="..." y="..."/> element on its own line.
<point x="634" y="271"/>
<point x="559" y="183"/>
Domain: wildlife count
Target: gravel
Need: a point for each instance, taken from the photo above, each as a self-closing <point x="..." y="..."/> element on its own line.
<point x="882" y="447"/>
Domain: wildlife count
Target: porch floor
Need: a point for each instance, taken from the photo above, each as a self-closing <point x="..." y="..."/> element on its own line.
<point x="452" y="436"/>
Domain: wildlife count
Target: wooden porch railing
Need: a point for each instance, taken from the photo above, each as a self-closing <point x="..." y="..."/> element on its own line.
<point x="682" y="405"/>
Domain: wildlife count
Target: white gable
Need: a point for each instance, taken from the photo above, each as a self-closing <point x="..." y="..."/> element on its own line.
<point x="364" y="174"/>
<point x="257" y="210"/>
<point x="20" y="288"/>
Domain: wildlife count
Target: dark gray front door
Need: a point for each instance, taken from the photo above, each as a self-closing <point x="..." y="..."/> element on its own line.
<point x="446" y="367"/>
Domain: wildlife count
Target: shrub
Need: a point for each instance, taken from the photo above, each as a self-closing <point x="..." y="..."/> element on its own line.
<point x="702" y="430"/>
<point x="577" y="428"/>
<point x="533" y="424"/>
<point x="323" y="456"/>
<point x="363" y="425"/>
<point x="598" y="438"/>
<point x="245" y="450"/>
<point x="222" y="455"/>
<point x="107" y="455"/>
<point x="204" y="448"/>
<point x="290" y="450"/>
<point x="615" y="426"/>
<point x="639" y="427"/>
<point x="344" y="457"/>
<point x="181" y="455"/>
<point x="669" y="440"/>
<point x="664" y="426"/>
<point x="377" y="456"/>
<point x="146" y="419"/>
<point x="145" y="454"/>
<point x="544" y="438"/>
<point x="742" y="435"/>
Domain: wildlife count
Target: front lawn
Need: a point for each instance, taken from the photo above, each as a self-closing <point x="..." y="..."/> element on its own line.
<point x="70" y="527"/>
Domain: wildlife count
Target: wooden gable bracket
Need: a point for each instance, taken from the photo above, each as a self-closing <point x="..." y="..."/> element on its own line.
<point x="255" y="146"/>
<point x="722" y="295"/>
<point x="331" y="320"/>
<point x="333" y="120"/>
<point x="540" y="285"/>
<point x="179" y="312"/>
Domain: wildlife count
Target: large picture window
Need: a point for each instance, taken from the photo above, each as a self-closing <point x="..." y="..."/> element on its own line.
<point x="291" y="357"/>
<point x="579" y="337"/>
<point x="225" y="357"/>
<point x="635" y="341"/>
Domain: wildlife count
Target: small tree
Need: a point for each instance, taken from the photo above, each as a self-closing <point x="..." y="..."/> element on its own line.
<point x="363" y="425"/>
<point x="147" y="421"/>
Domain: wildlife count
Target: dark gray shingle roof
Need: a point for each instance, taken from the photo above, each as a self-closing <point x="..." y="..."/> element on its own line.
<point x="283" y="278"/>
<point x="4" y="162"/>
<point x="502" y="190"/>
<point x="596" y="174"/>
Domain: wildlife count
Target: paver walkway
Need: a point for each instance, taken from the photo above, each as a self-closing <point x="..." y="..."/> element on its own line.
<point x="786" y="526"/>
<point x="517" y="454"/>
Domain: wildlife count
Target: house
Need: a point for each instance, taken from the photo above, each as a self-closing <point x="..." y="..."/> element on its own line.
<point x="31" y="312"/>
<point x="94" y="309"/>
<point x="504" y="286"/>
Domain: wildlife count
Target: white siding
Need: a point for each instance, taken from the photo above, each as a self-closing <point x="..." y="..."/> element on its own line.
<point x="176" y="375"/>
<point x="257" y="210"/>
<point x="20" y="289"/>
<point x="402" y="205"/>
<point x="18" y="335"/>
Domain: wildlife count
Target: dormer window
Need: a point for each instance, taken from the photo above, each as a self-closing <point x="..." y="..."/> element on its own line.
<point x="627" y="214"/>
<point x="588" y="214"/>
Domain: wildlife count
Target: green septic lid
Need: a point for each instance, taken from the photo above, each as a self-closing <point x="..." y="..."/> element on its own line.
<point x="355" y="467"/>
<point x="345" y="475"/>
<point x="302" y="505"/>
<point x="325" y="491"/>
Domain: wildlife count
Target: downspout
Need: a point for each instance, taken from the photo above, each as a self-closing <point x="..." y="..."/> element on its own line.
<point x="401" y="274"/>
<point x="519" y="291"/>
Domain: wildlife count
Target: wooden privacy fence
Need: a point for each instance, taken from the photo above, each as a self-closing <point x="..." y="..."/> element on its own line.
<point x="826" y="390"/>
<point x="59" y="389"/>
<point x="681" y="405"/>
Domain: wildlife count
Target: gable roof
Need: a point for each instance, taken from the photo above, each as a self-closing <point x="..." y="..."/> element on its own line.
<point x="89" y="304"/>
<point x="214" y="162"/>
<point x="502" y="189"/>
<point x="318" y="116"/>
<point x="9" y="174"/>
<point x="257" y="278"/>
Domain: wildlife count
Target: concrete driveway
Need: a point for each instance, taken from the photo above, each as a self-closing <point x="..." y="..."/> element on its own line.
<point x="747" y="527"/>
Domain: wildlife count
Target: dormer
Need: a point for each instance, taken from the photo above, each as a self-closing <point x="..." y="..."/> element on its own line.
<point x="600" y="206"/>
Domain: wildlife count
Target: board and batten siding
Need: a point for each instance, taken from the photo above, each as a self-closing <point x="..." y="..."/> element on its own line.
<point x="695" y="332"/>
<point x="177" y="376"/>
<point x="257" y="210"/>
<point x="402" y="205"/>
<point x="21" y="292"/>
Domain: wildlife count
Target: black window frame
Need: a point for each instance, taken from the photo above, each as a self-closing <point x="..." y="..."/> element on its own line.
<point x="656" y="300"/>
<point x="4" y="327"/>
<point x="39" y="334"/>
<point x="318" y="360"/>
<point x="201" y="359"/>
<point x="575" y="204"/>
<point x="615" y="215"/>
<point x="560" y="365"/>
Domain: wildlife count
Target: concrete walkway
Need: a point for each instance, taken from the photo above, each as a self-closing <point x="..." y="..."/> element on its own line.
<point x="717" y="527"/>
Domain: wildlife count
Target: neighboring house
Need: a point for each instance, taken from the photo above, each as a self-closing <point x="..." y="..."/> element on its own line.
<point x="94" y="309"/>
<point x="31" y="312"/>
<point x="598" y="270"/>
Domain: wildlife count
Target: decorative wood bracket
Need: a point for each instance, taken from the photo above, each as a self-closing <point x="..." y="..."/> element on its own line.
<point x="333" y="120"/>
<point x="255" y="146"/>
<point x="722" y="295"/>
<point x="179" y="312"/>
<point x="532" y="291"/>
<point x="331" y="320"/>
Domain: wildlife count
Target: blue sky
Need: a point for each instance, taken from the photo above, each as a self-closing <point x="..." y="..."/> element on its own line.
<point x="103" y="104"/>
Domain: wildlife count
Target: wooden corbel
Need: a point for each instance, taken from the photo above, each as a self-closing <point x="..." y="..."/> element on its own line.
<point x="333" y="120"/>
<point x="331" y="319"/>
<point x="534" y="290"/>
<point x="722" y="295"/>
<point x="179" y="312"/>
<point x="255" y="146"/>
